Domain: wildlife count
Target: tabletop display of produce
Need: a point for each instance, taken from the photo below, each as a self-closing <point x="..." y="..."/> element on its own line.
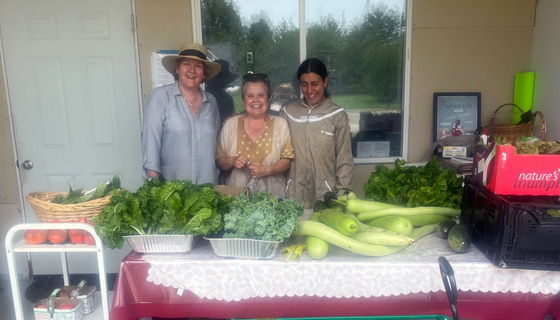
<point x="171" y="216"/>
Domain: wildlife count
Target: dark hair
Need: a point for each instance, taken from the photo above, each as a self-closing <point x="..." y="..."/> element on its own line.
<point x="255" y="78"/>
<point x="316" y="66"/>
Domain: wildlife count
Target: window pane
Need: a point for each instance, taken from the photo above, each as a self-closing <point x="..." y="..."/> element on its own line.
<point x="362" y="43"/>
<point x="254" y="35"/>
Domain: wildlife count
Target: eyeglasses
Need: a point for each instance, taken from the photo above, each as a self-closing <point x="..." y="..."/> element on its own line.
<point x="255" y="77"/>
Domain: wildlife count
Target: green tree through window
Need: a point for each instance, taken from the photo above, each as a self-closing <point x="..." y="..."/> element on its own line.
<point x="365" y="56"/>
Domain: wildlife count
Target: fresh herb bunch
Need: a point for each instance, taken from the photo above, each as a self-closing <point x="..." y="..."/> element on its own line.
<point x="414" y="186"/>
<point x="262" y="217"/>
<point x="78" y="195"/>
<point x="171" y="207"/>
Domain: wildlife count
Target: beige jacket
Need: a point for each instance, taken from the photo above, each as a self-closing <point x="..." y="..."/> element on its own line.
<point x="323" y="152"/>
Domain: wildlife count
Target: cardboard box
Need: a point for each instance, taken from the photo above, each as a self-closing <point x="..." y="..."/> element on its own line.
<point x="87" y="295"/>
<point x="503" y="171"/>
<point x="76" y="313"/>
<point x="229" y="191"/>
<point x="451" y="151"/>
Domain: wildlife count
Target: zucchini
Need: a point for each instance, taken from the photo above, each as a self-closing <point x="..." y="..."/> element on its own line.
<point x="383" y="238"/>
<point x="315" y="217"/>
<point x="406" y="211"/>
<point x="444" y="227"/>
<point x="317" y="248"/>
<point x="400" y="225"/>
<point x="330" y="235"/>
<point x="359" y="206"/>
<point x="460" y="238"/>
<point x="425" y="219"/>
<point x="339" y="221"/>
<point x="362" y="227"/>
<point x="420" y="232"/>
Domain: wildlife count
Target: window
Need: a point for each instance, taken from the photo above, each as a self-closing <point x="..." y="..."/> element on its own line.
<point x="362" y="43"/>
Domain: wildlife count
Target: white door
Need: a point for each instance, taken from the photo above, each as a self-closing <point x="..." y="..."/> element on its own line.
<point x="72" y="83"/>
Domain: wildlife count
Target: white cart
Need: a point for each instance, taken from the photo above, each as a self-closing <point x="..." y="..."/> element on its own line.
<point x="22" y="247"/>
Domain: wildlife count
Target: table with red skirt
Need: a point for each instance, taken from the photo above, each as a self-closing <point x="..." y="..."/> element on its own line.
<point x="199" y="283"/>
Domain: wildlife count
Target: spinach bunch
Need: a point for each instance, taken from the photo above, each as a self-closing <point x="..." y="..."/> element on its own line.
<point x="262" y="217"/>
<point x="171" y="207"/>
<point x="415" y="186"/>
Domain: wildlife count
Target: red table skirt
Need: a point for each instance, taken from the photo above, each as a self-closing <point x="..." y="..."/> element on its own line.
<point x="135" y="297"/>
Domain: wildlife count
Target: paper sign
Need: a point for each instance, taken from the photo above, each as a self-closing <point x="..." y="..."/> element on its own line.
<point x="373" y="149"/>
<point x="160" y="76"/>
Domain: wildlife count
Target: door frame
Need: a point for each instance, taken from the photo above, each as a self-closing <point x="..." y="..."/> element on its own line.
<point x="28" y="273"/>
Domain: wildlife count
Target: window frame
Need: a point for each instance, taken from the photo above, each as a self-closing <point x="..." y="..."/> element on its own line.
<point x="196" y="18"/>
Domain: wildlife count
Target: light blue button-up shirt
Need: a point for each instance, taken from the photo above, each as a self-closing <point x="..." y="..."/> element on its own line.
<point x="176" y="144"/>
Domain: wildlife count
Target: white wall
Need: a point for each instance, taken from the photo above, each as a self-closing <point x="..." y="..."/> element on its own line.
<point x="546" y="65"/>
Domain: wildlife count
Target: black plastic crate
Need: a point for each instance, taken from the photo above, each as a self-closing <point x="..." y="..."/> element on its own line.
<point x="521" y="232"/>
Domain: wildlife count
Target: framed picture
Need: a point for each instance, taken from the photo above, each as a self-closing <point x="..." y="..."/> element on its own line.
<point x="456" y="114"/>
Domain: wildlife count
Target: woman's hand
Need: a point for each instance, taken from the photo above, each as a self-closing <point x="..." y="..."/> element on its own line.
<point x="239" y="162"/>
<point x="258" y="170"/>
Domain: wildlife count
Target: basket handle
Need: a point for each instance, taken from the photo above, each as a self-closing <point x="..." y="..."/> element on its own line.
<point x="493" y="118"/>
<point x="543" y="124"/>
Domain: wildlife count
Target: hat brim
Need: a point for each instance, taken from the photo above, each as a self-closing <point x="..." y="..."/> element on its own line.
<point x="213" y="68"/>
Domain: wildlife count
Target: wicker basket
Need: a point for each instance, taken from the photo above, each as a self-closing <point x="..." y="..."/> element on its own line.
<point x="514" y="131"/>
<point x="47" y="211"/>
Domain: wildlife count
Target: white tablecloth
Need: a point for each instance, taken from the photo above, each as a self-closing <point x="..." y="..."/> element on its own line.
<point x="341" y="274"/>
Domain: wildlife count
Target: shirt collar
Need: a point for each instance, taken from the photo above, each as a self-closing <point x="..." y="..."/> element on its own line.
<point x="318" y="104"/>
<point x="175" y="90"/>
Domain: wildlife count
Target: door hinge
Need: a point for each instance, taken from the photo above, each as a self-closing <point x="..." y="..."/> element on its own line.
<point x="133" y="26"/>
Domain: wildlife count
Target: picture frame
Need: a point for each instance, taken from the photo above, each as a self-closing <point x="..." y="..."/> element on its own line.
<point x="456" y="114"/>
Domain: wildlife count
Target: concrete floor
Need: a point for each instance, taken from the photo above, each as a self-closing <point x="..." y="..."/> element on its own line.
<point x="7" y="304"/>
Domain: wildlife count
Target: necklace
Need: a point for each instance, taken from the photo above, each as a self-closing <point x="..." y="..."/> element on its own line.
<point x="191" y="102"/>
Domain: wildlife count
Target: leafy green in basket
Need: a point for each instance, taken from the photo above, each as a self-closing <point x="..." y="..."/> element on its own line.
<point x="78" y="195"/>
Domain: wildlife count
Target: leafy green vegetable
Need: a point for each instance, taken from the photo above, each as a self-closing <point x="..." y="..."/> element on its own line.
<point x="171" y="207"/>
<point x="262" y="217"/>
<point x="414" y="186"/>
<point x="78" y="196"/>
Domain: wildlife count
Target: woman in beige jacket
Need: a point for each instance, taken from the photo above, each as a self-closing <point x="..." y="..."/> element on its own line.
<point x="320" y="136"/>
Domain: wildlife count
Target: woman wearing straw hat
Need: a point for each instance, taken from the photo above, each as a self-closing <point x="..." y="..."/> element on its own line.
<point x="181" y="121"/>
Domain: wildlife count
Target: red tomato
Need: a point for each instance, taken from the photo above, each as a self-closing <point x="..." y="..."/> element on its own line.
<point x="57" y="236"/>
<point x="41" y="306"/>
<point x="76" y="236"/>
<point x="88" y="238"/>
<point x="65" y="306"/>
<point x="35" y="236"/>
<point x="82" y="220"/>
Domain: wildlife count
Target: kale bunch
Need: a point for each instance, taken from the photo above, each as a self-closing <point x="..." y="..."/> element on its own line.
<point x="415" y="186"/>
<point x="262" y="217"/>
<point x="171" y="207"/>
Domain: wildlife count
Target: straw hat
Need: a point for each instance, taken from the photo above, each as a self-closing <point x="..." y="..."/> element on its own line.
<point x="193" y="51"/>
<point x="224" y="76"/>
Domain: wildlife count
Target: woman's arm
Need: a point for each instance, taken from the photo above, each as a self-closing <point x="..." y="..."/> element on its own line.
<point x="344" y="159"/>
<point x="152" y="174"/>
<point x="152" y="134"/>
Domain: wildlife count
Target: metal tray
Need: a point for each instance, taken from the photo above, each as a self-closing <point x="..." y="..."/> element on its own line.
<point x="244" y="248"/>
<point x="161" y="243"/>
